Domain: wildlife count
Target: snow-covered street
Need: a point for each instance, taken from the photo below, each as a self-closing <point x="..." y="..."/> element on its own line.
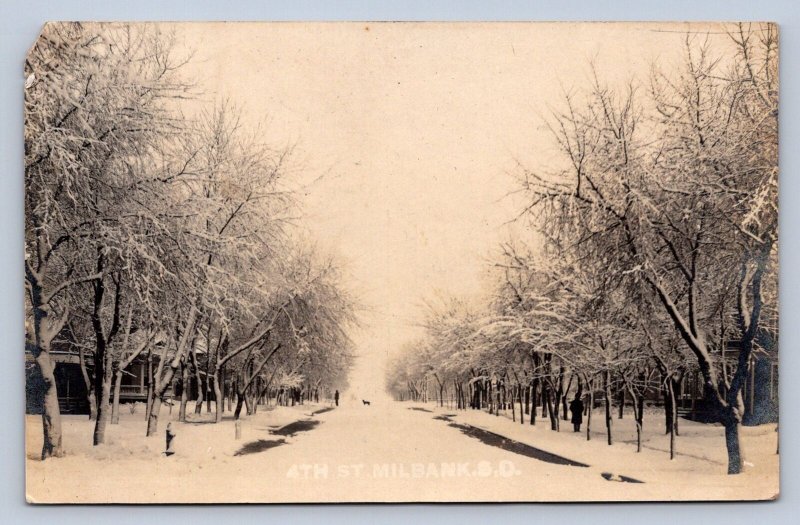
<point x="384" y="452"/>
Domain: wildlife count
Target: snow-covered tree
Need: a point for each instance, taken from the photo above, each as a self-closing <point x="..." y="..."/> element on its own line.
<point x="677" y="192"/>
<point x="94" y="110"/>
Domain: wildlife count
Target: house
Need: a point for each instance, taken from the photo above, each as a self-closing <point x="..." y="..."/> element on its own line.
<point x="760" y="391"/>
<point x="70" y="382"/>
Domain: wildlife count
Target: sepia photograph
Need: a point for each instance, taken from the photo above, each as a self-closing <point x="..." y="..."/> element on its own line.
<point x="373" y="262"/>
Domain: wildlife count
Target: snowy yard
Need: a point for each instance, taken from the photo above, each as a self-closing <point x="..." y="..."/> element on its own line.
<point x="697" y="472"/>
<point x="387" y="452"/>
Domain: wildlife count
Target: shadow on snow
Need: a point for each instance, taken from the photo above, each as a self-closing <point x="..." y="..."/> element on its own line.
<point x="259" y="446"/>
<point x="294" y="428"/>
<point x="608" y="476"/>
<point x="289" y="430"/>
<point x="504" y="443"/>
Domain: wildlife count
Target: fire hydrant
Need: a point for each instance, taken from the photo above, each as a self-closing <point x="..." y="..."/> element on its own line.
<point x="170" y="440"/>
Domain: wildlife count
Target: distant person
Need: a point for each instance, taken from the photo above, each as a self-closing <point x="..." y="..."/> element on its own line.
<point x="336" y="397"/>
<point x="576" y="407"/>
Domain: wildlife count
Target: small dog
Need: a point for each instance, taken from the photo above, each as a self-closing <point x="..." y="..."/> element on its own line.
<point x="365" y="401"/>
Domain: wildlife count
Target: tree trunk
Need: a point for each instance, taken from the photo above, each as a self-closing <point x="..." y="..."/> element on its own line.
<point x="152" y="418"/>
<point x="589" y="413"/>
<point x="103" y="360"/>
<point x="169" y="374"/>
<point x="218" y="404"/>
<point x="639" y="422"/>
<point x="115" y="399"/>
<point x="248" y="402"/>
<point x="43" y="333"/>
<point x="637" y="401"/>
<point x="676" y="386"/>
<point x="545" y="397"/>
<point x="565" y="399"/>
<point x="90" y="397"/>
<point x="673" y="417"/>
<point x="223" y="388"/>
<point x="153" y="384"/>
<point x="556" y="405"/>
<point x="731" y="413"/>
<point x="198" y="405"/>
<point x="667" y="407"/>
<point x="553" y="416"/>
<point x="733" y="447"/>
<point x="51" y="414"/>
<point x="104" y="406"/>
<point x="103" y="371"/>
<point x="528" y="400"/>
<point x="559" y="393"/>
<point x="184" y="391"/>
<point x="513" y="407"/>
<point x="150" y="385"/>
<point x="208" y="379"/>
<point x="607" y="398"/>
<point x="239" y="403"/>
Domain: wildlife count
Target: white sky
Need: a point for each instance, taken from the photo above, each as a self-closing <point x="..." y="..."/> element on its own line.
<point x="409" y="133"/>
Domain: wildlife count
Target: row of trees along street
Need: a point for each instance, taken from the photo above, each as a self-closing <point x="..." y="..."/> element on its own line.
<point x="654" y="253"/>
<point x="158" y="230"/>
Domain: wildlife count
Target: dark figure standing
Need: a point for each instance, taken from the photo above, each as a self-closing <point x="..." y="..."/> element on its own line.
<point x="576" y="407"/>
<point x="336" y="397"/>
